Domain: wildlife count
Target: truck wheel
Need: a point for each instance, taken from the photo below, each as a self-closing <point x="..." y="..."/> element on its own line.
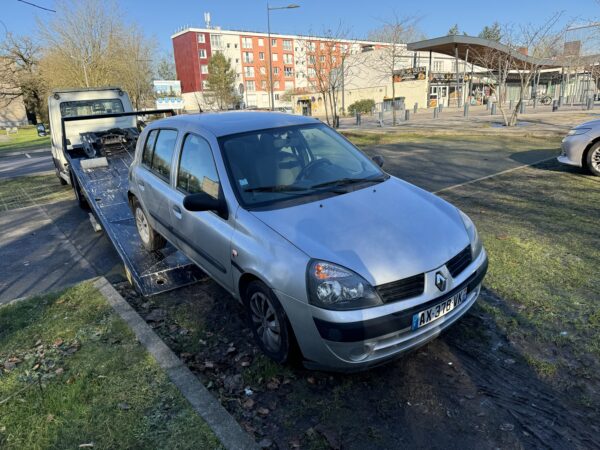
<point x="81" y="200"/>
<point x="150" y="238"/>
<point x="61" y="179"/>
<point x="593" y="159"/>
<point x="269" y="323"/>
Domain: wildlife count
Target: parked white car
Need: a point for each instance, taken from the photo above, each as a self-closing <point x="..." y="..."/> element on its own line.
<point x="581" y="147"/>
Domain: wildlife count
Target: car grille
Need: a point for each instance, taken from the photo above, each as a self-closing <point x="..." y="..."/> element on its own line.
<point x="460" y="262"/>
<point x="401" y="289"/>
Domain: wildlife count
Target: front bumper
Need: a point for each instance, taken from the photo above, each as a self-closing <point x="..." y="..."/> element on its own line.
<point x="572" y="149"/>
<point x="350" y="345"/>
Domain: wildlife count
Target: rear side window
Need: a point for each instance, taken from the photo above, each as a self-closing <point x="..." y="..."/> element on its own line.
<point x="197" y="170"/>
<point x="149" y="148"/>
<point x="160" y="157"/>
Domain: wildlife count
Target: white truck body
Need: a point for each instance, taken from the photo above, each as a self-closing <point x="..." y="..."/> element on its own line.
<point x="84" y="102"/>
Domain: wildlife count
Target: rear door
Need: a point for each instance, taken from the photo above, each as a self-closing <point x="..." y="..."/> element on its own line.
<point x="203" y="236"/>
<point x="153" y="178"/>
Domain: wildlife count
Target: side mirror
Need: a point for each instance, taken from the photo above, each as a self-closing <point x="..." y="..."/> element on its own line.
<point x="378" y="159"/>
<point x="201" y="201"/>
<point x="41" y="130"/>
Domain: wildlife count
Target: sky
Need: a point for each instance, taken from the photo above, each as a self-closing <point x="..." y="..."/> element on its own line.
<point x="161" y="18"/>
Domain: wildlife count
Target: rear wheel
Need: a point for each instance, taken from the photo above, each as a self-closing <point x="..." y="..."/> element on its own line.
<point x="81" y="200"/>
<point x="593" y="159"/>
<point x="150" y="238"/>
<point x="269" y="323"/>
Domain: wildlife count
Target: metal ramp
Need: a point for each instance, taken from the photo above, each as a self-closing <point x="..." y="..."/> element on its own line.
<point x="106" y="191"/>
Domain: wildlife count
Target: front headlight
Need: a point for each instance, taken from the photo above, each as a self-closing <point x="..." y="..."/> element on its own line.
<point x="333" y="287"/>
<point x="476" y="245"/>
<point x="578" y="131"/>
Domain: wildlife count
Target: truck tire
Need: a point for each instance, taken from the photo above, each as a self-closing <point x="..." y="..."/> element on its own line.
<point x="60" y="179"/>
<point x="151" y="240"/>
<point x="81" y="200"/>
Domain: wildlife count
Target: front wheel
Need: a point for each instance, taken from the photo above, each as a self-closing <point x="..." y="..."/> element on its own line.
<point x="151" y="240"/>
<point x="593" y="159"/>
<point x="268" y="322"/>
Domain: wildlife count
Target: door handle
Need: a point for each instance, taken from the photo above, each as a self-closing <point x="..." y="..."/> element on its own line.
<point x="141" y="185"/>
<point x="177" y="211"/>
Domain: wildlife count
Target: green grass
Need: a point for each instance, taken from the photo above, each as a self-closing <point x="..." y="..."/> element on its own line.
<point x="81" y="378"/>
<point x="25" y="139"/>
<point x="27" y="191"/>
<point x="540" y="226"/>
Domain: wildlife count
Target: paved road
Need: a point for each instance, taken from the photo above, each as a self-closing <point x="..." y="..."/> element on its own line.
<point x="49" y="247"/>
<point x="25" y="164"/>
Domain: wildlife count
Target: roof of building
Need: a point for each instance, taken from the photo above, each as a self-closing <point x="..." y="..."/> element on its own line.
<point x="233" y="122"/>
<point x="477" y="49"/>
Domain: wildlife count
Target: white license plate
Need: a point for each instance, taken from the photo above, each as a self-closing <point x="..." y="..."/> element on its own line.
<point x="435" y="312"/>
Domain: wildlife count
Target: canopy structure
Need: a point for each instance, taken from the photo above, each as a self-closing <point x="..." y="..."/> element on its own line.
<point x="477" y="50"/>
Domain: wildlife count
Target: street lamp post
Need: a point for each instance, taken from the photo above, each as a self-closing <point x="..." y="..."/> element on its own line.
<point x="269" y="9"/>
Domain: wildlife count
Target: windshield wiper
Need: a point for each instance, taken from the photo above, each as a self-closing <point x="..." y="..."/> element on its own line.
<point x="346" y="181"/>
<point x="277" y="188"/>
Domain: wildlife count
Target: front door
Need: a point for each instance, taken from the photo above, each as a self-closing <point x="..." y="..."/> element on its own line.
<point x="204" y="236"/>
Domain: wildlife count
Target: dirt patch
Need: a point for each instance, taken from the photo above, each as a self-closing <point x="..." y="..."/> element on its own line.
<point x="468" y="389"/>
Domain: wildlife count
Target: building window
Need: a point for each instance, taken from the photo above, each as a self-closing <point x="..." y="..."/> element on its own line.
<point x="273" y="42"/>
<point x="287" y="58"/>
<point x="246" y="42"/>
<point x="248" y="57"/>
<point x="263" y="84"/>
<point x="287" y="45"/>
<point x="249" y="71"/>
<point x="250" y="86"/>
<point x="345" y="47"/>
<point x="202" y="53"/>
<point x="204" y="85"/>
<point x="234" y="45"/>
<point x="275" y="84"/>
<point x="204" y="68"/>
<point x="261" y="56"/>
<point x="322" y="58"/>
<point x="312" y="46"/>
<point x="334" y="59"/>
<point x="201" y="38"/>
<point x="322" y="45"/>
<point x="215" y="41"/>
<point x="261" y="42"/>
<point x="289" y="85"/>
<point x="438" y="66"/>
<point x="288" y="71"/>
<point x="263" y="71"/>
<point x="311" y="59"/>
<point x="237" y="60"/>
<point x="275" y="70"/>
<point x="275" y="57"/>
<point x="311" y="72"/>
<point x="228" y="45"/>
<point x="276" y="96"/>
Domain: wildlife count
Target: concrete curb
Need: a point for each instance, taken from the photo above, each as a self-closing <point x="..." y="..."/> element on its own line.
<point x="225" y="427"/>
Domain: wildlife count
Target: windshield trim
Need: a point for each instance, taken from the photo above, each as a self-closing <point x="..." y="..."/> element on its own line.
<point x="300" y="197"/>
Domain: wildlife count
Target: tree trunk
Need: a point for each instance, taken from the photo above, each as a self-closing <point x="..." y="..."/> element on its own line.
<point x="393" y="101"/>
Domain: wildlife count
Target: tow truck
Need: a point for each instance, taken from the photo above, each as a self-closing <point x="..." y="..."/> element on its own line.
<point x="94" y="134"/>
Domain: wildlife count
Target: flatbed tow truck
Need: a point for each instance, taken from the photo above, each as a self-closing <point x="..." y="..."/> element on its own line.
<point x="94" y="135"/>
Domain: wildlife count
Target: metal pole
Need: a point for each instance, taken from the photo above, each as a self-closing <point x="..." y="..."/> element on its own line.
<point x="429" y="77"/>
<point x="272" y="96"/>
<point x="343" y="89"/>
<point x="464" y="75"/>
<point x="457" y="74"/>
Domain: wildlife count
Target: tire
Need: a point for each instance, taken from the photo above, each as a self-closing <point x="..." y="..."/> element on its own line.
<point x="592" y="159"/>
<point x="151" y="240"/>
<point x="60" y="179"/>
<point x="81" y="200"/>
<point x="269" y="324"/>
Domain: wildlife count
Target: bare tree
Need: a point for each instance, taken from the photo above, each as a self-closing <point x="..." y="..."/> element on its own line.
<point x="19" y="74"/>
<point x="396" y="33"/>
<point x="88" y="45"/>
<point x="328" y="64"/>
<point x="521" y="55"/>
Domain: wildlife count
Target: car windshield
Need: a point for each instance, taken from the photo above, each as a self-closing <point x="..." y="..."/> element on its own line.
<point x="268" y="166"/>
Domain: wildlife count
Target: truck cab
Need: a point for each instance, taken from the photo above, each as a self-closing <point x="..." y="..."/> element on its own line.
<point x="83" y="102"/>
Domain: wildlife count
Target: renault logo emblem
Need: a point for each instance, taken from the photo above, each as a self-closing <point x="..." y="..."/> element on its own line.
<point x="440" y="281"/>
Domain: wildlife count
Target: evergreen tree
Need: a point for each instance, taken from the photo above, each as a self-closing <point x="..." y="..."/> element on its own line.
<point x="220" y="82"/>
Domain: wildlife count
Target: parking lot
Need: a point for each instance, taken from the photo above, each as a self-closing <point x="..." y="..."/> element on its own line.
<point x="520" y="370"/>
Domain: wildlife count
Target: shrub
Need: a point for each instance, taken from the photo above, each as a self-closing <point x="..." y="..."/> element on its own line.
<point x="361" y="106"/>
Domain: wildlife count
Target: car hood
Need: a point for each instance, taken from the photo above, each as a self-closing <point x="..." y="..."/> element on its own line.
<point x="589" y="124"/>
<point x="384" y="232"/>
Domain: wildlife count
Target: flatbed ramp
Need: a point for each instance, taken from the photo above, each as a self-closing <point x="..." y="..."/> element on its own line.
<point x="105" y="189"/>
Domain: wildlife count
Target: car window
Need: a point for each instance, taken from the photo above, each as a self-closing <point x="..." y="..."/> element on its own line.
<point x="197" y="170"/>
<point x="149" y="148"/>
<point x="267" y="166"/>
<point x="163" y="152"/>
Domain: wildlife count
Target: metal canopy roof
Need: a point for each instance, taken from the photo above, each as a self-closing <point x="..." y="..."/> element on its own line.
<point x="478" y="49"/>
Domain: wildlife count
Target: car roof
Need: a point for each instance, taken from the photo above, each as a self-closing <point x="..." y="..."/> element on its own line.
<point x="233" y="122"/>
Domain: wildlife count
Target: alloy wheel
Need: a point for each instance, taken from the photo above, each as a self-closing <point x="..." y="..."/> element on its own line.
<point x="142" y="224"/>
<point x="595" y="159"/>
<point x="264" y="320"/>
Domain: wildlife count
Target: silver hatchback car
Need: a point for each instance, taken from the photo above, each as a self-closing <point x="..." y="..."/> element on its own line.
<point x="333" y="259"/>
<point x="581" y="147"/>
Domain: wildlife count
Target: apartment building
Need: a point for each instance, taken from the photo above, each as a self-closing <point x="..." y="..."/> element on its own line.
<point x="294" y="59"/>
